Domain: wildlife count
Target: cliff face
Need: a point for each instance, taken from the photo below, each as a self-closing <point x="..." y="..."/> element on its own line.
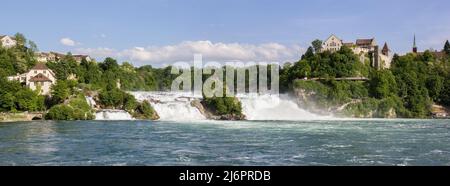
<point x="439" y="111"/>
<point x="355" y="108"/>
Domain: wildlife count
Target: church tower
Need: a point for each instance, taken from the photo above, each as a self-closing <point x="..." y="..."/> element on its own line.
<point x="385" y="51"/>
<point x="414" y="45"/>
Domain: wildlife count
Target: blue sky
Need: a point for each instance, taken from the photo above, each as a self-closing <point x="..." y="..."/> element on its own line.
<point x="158" y="31"/>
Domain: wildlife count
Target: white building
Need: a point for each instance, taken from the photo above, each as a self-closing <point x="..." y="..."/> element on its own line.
<point x="39" y="77"/>
<point x="7" y="41"/>
<point x="332" y="44"/>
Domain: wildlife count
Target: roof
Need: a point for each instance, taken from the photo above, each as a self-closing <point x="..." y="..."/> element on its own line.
<point x="40" y="78"/>
<point x="332" y="35"/>
<point x="435" y="53"/>
<point x="348" y="44"/>
<point x="364" y="41"/>
<point x="40" y="66"/>
<point x="3" y="36"/>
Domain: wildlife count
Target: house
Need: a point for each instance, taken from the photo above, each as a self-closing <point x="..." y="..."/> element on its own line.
<point x="39" y="77"/>
<point x="332" y="44"/>
<point x="7" y="41"/>
<point x="364" y="48"/>
<point x="44" y="57"/>
<point x="79" y="58"/>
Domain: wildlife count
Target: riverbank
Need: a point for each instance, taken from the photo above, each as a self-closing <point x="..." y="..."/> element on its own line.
<point x="247" y="143"/>
<point x="17" y="117"/>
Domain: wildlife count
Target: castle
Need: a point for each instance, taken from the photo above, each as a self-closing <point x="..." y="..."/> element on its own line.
<point x="364" y="48"/>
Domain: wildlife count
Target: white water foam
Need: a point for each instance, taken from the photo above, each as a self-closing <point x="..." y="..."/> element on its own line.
<point x="91" y="101"/>
<point x="172" y="106"/>
<point x="113" y="115"/>
<point x="274" y="107"/>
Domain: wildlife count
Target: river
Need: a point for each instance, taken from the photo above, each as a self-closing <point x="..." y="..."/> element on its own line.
<point x="312" y="142"/>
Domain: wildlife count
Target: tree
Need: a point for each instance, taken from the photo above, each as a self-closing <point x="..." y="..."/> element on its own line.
<point x="317" y="45"/>
<point x="20" y="39"/>
<point x="382" y="84"/>
<point x="145" y="111"/>
<point x="300" y="70"/>
<point x="109" y="64"/>
<point x="309" y="53"/>
<point x="60" y="92"/>
<point x="434" y="85"/>
<point x="447" y="48"/>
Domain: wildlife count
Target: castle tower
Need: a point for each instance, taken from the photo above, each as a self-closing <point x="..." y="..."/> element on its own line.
<point x="414" y="45"/>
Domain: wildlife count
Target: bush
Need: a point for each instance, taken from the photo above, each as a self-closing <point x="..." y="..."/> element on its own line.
<point x="60" y="112"/>
<point x="145" y="111"/>
<point x="224" y="105"/>
<point x="77" y="109"/>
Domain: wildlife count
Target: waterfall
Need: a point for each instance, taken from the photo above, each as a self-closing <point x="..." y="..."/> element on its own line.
<point x="90" y="100"/>
<point x="113" y="115"/>
<point x="274" y="107"/>
<point x="172" y="106"/>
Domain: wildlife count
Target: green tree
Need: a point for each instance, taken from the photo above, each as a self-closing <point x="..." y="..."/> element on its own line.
<point x="145" y="111"/>
<point x="308" y="54"/>
<point x="382" y="84"/>
<point x="447" y="48"/>
<point x="300" y="70"/>
<point x="317" y="45"/>
<point x="20" y="39"/>
<point x="435" y="84"/>
<point x="60" y="91"/>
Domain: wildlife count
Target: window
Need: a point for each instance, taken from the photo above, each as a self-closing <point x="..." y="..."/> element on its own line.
<point x="35" y="72"/>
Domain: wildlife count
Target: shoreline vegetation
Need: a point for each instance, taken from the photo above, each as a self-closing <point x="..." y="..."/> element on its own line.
<point x="416" y="86"/>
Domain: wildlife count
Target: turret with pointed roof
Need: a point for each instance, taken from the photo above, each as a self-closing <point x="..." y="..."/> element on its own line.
<point x="385" y="51"/>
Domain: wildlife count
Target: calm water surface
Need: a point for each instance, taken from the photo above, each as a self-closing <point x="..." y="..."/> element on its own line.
<point x="352" y="142"/>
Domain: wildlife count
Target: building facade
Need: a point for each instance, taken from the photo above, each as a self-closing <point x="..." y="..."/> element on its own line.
<point x="44" y="57"/>
<point x="332" y="44"/>
<point x="39" y="77"/>
<point x="7" y="41"/>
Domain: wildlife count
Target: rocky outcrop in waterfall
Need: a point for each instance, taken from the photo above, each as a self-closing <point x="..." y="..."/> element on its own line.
<point x="209" y="114"/>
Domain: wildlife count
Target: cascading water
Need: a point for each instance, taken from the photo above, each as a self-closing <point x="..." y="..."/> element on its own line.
<point x="113" y="115"/>
<point x="274" y="107"/>
<point x="172" y="106"/>
<point x="91" y="101"/>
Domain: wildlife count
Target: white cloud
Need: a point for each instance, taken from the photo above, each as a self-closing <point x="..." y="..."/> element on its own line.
<point x="184" y="51"/>
<point x="97" y="52"/>
<point x="68" y="42"/>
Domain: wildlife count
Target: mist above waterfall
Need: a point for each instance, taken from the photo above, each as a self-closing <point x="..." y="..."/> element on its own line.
<point x="176" y="106"/>
<point x="274" y="107"/>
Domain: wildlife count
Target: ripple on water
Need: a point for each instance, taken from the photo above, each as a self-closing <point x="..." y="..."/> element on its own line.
<point x="339" y="142"/>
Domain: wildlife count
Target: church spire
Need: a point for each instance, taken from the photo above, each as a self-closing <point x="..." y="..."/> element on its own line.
<point x="414" y="45"/>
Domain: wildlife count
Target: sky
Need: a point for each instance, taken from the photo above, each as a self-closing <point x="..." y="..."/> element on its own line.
<point x="156" y="32"/>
